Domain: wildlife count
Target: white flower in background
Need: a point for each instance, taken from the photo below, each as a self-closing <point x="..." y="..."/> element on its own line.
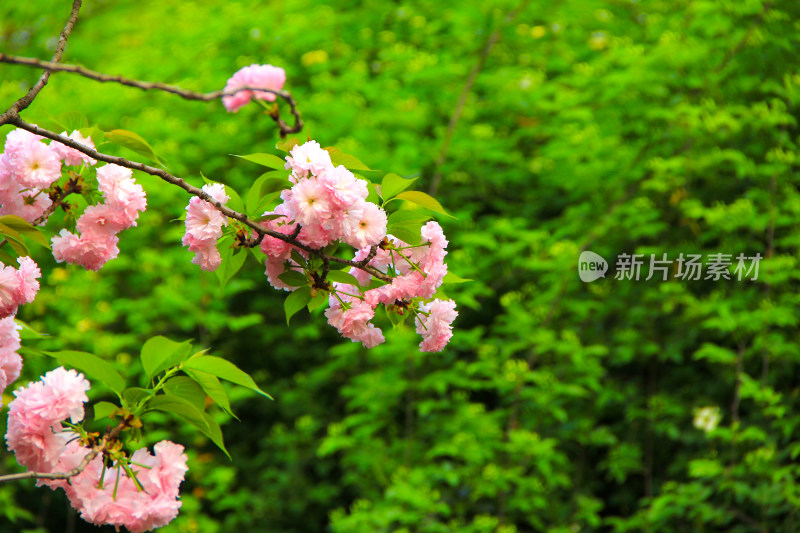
<point x="707" y="418"/>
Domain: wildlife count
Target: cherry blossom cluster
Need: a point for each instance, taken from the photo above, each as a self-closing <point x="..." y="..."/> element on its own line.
<point x="100" y="224"/>
<point x="28" y="167"/>
<point x="10" y="360"/>
<point x="328" y="202"/>
<point x="18" y="286"/>
<point x="204" y="227"/>
<point x="263" y="76"/>
<point x="140" y="493"/>
<point x="418" y="271"/>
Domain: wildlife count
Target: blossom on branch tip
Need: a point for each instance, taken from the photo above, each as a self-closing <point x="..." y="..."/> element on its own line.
<point x="18" y="286"/>
<point x="262" y="76"/>
<point x="102" y="493"/>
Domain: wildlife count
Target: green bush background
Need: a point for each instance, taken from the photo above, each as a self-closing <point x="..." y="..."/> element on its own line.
<point x="615" y="126"/>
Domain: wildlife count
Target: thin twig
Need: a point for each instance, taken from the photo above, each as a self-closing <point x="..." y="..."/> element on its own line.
<point x="149" y="86"/>
<point x="26" y="100"/>
<point x="109" y="438"/>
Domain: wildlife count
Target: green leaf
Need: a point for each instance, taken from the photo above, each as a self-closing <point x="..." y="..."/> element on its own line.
<point x="104" y="409"/>
<point x="287" y="145"/>
<point x="372" y="194"/>
<point x="342" y="277"/>
<point x="320" y="300"/>
<point x="452" y="278"/>
<point x="235" y="201"/>
<point x="188" y="389"/>
<point x="265" y="160"/>
<point x="293" y="278"/>
<point x="408" y="231"/>
<point x="296" y="301"/>
<point x="393" y="184"/>
<point x="408" y="215"/>
<point x="214" y="433"/>
<point x="263" y="186"/>
<point x="160" y="353"/>
<point x="297" y="258"/>
<point x="14" y="240"/>
<point x="71" y="121"/>
<point x="213" y="388"/>
<point x="350" y="162"/>
<point x="93" y="366"/>
<point x="27" y="331"/>
<point x="134" y="142"/>
<point x="223" y="369"/>
<point x="178" y="406"/>
<point x="423" y="200"/>
<point x="7" y="258"/>
<point x="133" y="395"/>
<point x="231" y="264"/>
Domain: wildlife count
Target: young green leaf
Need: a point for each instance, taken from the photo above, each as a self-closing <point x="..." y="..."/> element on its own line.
<point x="423" y="200"/>
<point x="160" y="353"/>
<point x="103" y="409"/>
<point x="186" y="388"/>
<point x="93" y="366"/>
<point x="287" y="145"/>
<point x="296" y="301"/>
<point x="452" y="278"/>
<point x="342" y="277"/>
<point x="214" y="433"/>
<point x="178" y="406"/>
<point x="320" y="300"/>
<point x="265" y="160"/>
<point x="213" y="388"/>
<point x="133" y="142"/>
<point x="393" y="184"/>
<point x="230" y="265"/>
<point x="235" y="201"/>
<point x="293" y="278"/>
<point x="350" y="162"/>
<point x="223" y="369"/>
<point x="133" y="395"/>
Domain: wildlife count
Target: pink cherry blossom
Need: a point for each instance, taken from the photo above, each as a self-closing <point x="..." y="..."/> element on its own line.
<point x="308" y="157"/>
<point x="435" y="327"/>
<point x="91" y="251"/>
<point x="204" y="227"/>
<point x="371" y="229"/>
<point x="10" y="361"/>
<point x="353" y="323"/>
<point x="262" y="76"/>
<point x="29" y="162"/>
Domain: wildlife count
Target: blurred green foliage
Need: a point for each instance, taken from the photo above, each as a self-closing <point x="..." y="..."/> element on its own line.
<point x="619" y="126"/>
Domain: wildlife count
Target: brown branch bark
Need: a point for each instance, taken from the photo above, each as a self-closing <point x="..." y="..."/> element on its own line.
<point x="109" y="438"/>
<point x="51" y="66"/>
<point x="191" y="189"/>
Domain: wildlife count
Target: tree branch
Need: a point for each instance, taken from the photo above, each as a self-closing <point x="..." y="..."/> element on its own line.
<point x="51" y="66"/>
<point x="26" y="100"/>
<point x="109" y="438"/>
<point x="194" y="191"/>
